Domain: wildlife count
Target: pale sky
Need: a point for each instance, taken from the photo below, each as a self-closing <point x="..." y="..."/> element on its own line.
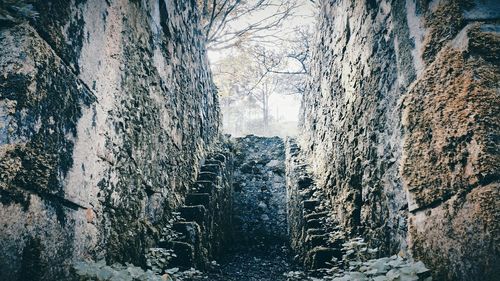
<point x="285" y="108"/>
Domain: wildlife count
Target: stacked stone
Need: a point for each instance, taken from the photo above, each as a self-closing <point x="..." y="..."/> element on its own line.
<point x="204" y="222"/>
<point x="398" y="123"/>
<point x="106" y="109"/>
<point x="260" y="192"/>
<point x="315" y="238"/>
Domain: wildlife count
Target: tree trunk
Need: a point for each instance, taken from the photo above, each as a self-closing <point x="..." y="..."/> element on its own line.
<point x="265" y="107"/>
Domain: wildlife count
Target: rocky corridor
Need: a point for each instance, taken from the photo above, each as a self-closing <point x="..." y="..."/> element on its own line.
<point x="256" y="214"/>
<point x="259" y="249"/>
<point x="115" y="163"/>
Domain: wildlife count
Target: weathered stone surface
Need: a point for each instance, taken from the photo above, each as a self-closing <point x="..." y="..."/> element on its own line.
<point x="450" y="146"/>
<point x="311" y="223"/>
<point x="259" y="192"/>
<point x="400" y="127"/>
<point x="106" y="110"/>
<point x="204" y="222"/>
<point x="452" y="160"/>
<point x="350" y="118"/>
<point x="41" y="101"/>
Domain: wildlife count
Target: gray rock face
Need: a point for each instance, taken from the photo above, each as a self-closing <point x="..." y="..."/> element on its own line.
<point x="106" y="109"/>
<point x="399" y="124"/>
<point x="314" y="234"/>
<point x="350" y="121"/>
<point x="259" y="191"/>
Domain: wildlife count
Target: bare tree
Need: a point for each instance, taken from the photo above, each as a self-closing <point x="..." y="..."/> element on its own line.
<point x="242" y="78"/>
<point x="262" y="92"/>
<point x="262" y="54"/>
<point x="229" y="23"/>
<point x="290" y="60"/>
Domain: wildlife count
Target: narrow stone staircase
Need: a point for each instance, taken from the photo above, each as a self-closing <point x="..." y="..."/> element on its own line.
<point x="202" y="226"/>
<point x="315" y="238"/>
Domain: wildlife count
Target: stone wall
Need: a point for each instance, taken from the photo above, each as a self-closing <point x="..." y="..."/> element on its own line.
<point x="259" y="192"/>
<point x="203" y="228"/>
<point x="106" y="110"/>
<point x="400" y="127"/>
<point x="314" y="236"/>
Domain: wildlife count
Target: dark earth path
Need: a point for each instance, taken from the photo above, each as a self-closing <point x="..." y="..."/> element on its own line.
<point x="257" y="264"/>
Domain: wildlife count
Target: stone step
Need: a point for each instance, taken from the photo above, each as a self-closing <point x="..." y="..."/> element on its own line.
<point x="202" y="186"/>
<point x="214" y="162"/>
<point x="190" y="230"/>
<point x="335" y="243"/>
<point x="321" y="257"/>
<point x="310" y="204"/>
<point x="313" y="223"/>
<point x="194" y="199"/>
<point x="194" y="213"/>
<point x="315" y="231"/>
<point x="294" y="149"/>
<point x="300" y="168"/>
<point x="316" y="215"/>
<point x="304" y="182"/>
<point x="218" y="156"/>
<point x="313" y="241"/>
<point x="213" y="168"/>
<point x="306" y="194"/>
<point x="208" y="176"/>
<point x="185" y="254"/>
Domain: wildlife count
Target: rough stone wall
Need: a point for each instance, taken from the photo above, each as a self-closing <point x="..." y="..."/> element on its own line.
<point x="451" y="160"/>
<point x="351" y="118"/>
<point x="314" y="236"/>
<point x="106" y="109"/>
<point x="400" y="125"/>
<point x="259" y="208"/>
<point x="204" y="226"/>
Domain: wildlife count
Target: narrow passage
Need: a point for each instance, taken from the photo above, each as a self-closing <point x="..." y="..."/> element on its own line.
<point x="259" y="251"/>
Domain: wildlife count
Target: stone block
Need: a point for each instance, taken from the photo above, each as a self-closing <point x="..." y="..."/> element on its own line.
<point x="310" y="204"/>
<point x="213" y="168"/>
<point x="321" y="257"/>
<point x="208" y="176"/>
<point x="185" y="254"/>
<point x="194" y="199"/>
<point x="313" y="241"/>
<point x="316" y="215"/>
<point x="315" y="231"/>
<point x="313" y="223"/>
<point x="190" y="230"/>
<point x="194" y="213"/>
<point x="304" y="182"/>
<point x="219" y="157"/>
